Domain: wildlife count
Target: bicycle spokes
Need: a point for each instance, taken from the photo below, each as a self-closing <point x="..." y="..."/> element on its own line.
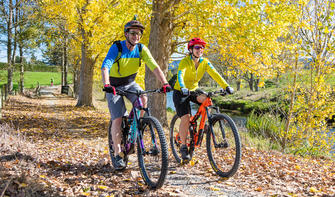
<point x="223" y="146"/>
<point x="152" y="152"/>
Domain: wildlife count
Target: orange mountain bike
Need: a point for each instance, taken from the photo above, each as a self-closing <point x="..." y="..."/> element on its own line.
<point x="222" y="140"/>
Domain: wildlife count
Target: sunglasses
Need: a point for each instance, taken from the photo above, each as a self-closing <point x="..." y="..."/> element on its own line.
<point x="199" y="47"/>
<point x="133" y="33"/>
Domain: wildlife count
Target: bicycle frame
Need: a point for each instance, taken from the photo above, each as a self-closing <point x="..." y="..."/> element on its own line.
<point x="134" y="116"/>
<point x="203" y="111"/>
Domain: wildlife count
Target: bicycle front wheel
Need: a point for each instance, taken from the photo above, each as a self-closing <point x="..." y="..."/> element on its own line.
<point x="223" y="145"/>
<point x="152" y="153"/>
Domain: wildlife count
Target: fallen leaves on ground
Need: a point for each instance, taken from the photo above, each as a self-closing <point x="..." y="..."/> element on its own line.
<point x="50" y="147"/>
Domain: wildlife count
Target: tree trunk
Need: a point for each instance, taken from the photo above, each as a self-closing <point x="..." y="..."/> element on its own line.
<point x="21" y="70"/>
<point x="86" y="78"/>
<point x="20" y="42"/>
<point x="10" y="69"/>
<point x="75" y="81"/>
<point x="238" y="85"/>
<point x="65" y="64"/>
<point x="15" y="19"/>
<point x="256" y="84"/>
<point x="160" y="47"/>
<point x="251" y="82"/>
<point x="291" y="103"/>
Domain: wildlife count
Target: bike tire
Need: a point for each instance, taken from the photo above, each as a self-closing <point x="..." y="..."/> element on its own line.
<point x="110" y="145"/>
<point x="153" y="161"/>
<point x="226" y="156"/>
<point x="175" y="141"/>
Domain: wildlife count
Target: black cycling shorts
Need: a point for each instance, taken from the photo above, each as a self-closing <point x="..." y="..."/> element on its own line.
<point x="181" y="104"/>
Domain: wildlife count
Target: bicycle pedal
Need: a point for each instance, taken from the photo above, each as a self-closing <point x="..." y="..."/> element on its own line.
<point x="222" y="145"/>
<point x="225" y="145"/>
<point x="154" y="151"/>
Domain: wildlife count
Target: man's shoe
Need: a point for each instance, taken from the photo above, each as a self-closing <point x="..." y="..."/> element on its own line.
<point x="184" y="153"/>
<point x="119" y="164"/>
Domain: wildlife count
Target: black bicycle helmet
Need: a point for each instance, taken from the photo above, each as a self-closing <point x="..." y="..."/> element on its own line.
<point x="133" y="24"/>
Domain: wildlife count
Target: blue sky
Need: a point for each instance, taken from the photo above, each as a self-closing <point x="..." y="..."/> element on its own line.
<point x="3" y="51"/>
<point x="3" y="54"/>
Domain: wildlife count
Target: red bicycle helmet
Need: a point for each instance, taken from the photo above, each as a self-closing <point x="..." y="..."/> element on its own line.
<point x="195" y="41"/>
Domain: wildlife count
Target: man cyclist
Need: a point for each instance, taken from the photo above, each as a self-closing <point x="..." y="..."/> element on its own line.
<point x="120" y="72"/>
<point x="190" y="71"/>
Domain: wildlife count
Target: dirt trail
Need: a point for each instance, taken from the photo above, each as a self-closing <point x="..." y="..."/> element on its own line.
<point x="57" y="149"/>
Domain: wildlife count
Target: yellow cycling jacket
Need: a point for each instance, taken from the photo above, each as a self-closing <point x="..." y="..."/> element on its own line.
<point x="126" y="71"/>
<point x="189" y="77"/>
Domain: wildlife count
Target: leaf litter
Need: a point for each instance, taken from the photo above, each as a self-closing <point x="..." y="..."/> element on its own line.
<point x="49" y="147"/>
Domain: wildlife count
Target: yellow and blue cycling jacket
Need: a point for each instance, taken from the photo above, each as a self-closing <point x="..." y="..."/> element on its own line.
<point x="128" y="63"/>
<point x="189" y="77"/>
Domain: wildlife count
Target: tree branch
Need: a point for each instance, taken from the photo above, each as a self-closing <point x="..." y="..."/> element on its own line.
<point x="180" y="15"/>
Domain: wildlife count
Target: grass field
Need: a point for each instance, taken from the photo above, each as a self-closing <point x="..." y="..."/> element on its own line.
<point x="32" y="78"/>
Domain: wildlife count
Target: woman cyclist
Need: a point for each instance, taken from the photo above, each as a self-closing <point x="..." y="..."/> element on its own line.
<point x="190" y="71"/>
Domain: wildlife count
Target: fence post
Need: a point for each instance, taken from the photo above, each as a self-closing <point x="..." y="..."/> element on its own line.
<point x="6" y="91"/>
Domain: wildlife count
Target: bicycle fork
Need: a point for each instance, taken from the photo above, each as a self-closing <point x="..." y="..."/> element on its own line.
<point x="153" y="150"/>
<point x="210" y="131"/>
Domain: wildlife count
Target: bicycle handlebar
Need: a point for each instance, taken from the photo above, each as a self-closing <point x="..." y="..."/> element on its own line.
<point x="138" y="93"/>
<point x="209" y="94"/>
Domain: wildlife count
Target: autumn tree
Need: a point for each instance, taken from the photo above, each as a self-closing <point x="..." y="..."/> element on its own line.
<point x="93" y="25"/>
<point x="28" y="34"/>
<point x="311" y="97"/>
<point x="21" y="33"/>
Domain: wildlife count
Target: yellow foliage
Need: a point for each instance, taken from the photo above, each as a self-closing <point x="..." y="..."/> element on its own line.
<point x="95" y="24"/>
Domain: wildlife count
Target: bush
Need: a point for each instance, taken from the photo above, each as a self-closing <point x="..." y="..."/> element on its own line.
<point x="266" y="125"/>
<point x="246" y="107"/>
<point x="269" y="83"/>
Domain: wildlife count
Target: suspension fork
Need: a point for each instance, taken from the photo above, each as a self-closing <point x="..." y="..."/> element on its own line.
<point x="210" y="126"/>
<point x="220" y="123"/>
<point x="139" y="136"/>
<point x="153" y="137"/>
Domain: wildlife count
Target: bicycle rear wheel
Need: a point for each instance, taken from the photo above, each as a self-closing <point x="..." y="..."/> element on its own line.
<point x="224" y="147"/>
<point x="153" y="158"/>
<point x="175" y="141"/>
<point x="111" y="148"/>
